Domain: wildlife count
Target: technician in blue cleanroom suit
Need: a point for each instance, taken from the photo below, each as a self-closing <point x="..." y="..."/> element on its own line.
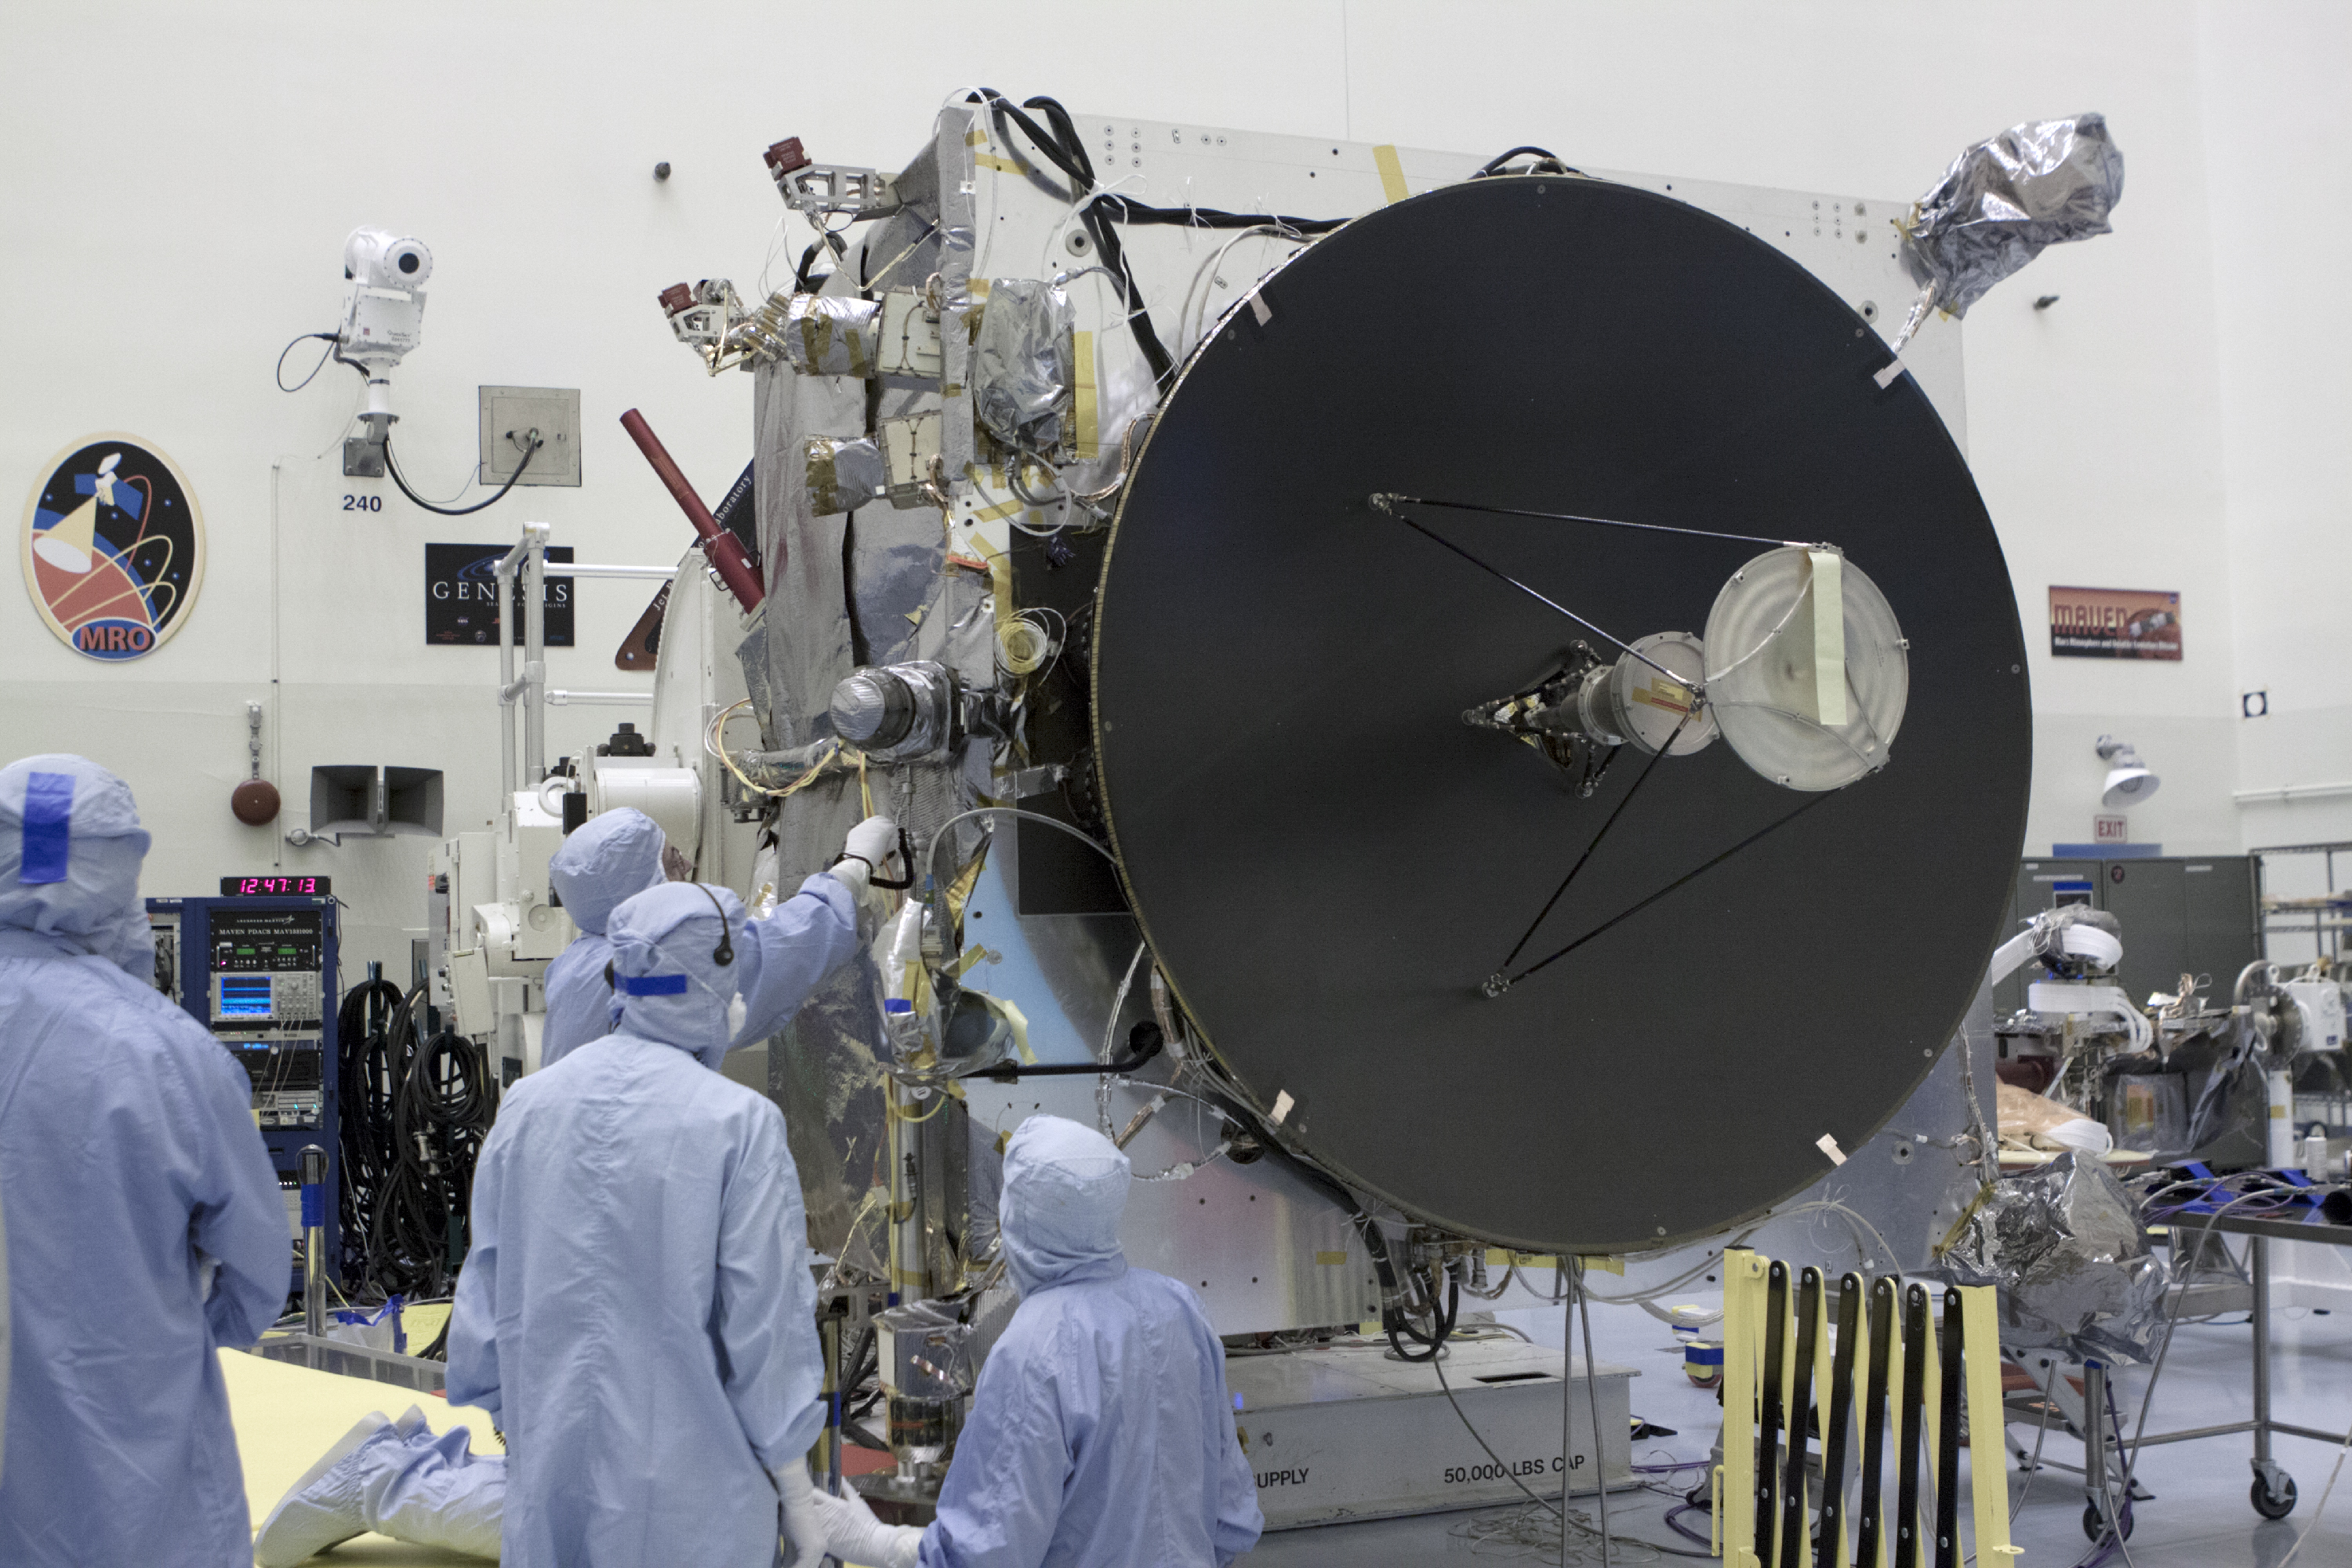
<point x="3" y="1332"/>
<point x="144" y="1228"/>
<point x="614" y="855"/>
<point x="638" y="1310"/>
<point x="1101" y="1433"/>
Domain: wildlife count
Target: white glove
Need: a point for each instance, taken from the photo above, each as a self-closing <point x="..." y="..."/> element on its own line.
<point x="853" y="1535"/>
<point x="873" y="841"/>
<point x="804" y="1539"/>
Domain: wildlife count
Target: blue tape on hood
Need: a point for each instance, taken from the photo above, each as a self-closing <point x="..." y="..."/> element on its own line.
<point x="668" y="935"/>
<point x="70" y="850"/>
<point x="47" y="830"/>
<point x="652" y="985"/>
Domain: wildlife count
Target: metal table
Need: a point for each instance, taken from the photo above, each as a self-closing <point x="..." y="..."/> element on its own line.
<point x="2273" y="1489"/>
<point x="349" y="1360"/>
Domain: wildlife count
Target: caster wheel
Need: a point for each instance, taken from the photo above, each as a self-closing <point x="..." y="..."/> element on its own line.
<point x="2094" y="1525"/>
<point x="2273" y="1505"/>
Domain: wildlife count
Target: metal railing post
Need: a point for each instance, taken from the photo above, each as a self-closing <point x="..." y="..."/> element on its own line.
<point x="504" y="575"/>
<point x="2258" y="1265"/>
<point x="314" y="1240"/>
<point x="534" y="651"/>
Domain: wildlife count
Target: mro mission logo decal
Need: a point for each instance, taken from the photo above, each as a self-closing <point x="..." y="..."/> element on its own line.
<point x="113" y="548"/>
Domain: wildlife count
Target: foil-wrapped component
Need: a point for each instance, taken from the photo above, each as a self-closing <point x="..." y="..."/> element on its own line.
<point x="1022" y="364"/>
<point x="822" y="334"/>
<point x="954" y="178"/>
<point x="2065" y="1246"/>
<point x="844" y="473"/>
<point x="2036" y="184"/>
<point x="925" y="1349"/>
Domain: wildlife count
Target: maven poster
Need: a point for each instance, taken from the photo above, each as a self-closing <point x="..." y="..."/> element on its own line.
<point x="2114" y="623"/>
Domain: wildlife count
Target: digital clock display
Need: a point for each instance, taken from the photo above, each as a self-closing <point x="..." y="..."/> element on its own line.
<point x="252" y="887"/>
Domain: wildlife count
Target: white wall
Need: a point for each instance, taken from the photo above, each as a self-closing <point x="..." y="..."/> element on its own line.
<point x="179" y="180"/>
<point x="2279" y="142"/>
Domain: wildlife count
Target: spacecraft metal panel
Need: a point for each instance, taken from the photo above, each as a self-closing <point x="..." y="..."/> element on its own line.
<point x="1846" y="241"/>
<point x="1261" y="1246"/>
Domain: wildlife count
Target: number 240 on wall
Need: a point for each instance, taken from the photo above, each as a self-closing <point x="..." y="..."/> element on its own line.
<point x="362" y="503"/>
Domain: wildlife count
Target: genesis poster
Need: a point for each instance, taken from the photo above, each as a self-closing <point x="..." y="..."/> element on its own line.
<point x="461" y="595"/>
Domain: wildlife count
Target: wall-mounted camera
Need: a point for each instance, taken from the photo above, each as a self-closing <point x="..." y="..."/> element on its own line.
<point x="383" y="317"/>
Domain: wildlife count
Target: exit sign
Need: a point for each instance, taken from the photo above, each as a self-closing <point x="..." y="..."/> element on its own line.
<point x="2110" y="830"/>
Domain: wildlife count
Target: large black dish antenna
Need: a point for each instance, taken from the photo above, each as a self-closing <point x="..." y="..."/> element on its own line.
<point x="1330" y="864"/>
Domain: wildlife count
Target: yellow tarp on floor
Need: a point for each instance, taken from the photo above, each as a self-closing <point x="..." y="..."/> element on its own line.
<point x="287" y="1416"/>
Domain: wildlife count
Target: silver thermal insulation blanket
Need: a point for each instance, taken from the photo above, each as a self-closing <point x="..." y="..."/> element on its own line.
<point x="830" y="335"/>
<point x="844" y="473"/>
<point x="2004" y="200"/>
<point x="867" y="586"/>
<point x="2065" y="1246"/>
<point x="1021" y="373"/>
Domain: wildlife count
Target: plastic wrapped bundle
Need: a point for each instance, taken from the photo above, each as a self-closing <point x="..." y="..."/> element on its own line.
<point x="2002" y="201"/>
<point x="2065" y="1246"/>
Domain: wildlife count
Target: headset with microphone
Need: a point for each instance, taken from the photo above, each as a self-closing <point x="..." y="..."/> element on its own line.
<point x="721" y="955"/>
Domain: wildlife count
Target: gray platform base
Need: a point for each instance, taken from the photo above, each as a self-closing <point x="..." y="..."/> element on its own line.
<point x="1347" y="1433"/>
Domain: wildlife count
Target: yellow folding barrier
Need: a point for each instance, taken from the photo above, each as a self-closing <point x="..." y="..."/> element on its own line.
<point x="1748" y="1484"/>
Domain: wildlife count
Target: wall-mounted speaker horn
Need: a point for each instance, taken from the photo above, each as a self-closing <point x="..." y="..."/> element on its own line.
<point x="413" y="800"/>
<point x="367" y="800"/>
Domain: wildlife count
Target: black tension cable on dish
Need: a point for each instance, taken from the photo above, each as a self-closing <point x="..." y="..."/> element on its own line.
<point x="1639" y="779"/>
<point x="1506" y="983"/>
<point x="1543" y="599"/>
<point x="1384" y="502"/>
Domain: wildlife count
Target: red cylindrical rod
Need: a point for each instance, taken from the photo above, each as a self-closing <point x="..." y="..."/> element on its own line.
<point x="722" y="548"/>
